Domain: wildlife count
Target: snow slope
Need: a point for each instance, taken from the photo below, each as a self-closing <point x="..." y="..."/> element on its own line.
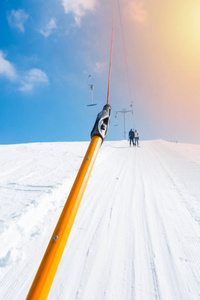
<point x="137" y="232"/>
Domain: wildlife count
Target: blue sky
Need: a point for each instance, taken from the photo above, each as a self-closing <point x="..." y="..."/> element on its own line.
<point x="46" y="56"/>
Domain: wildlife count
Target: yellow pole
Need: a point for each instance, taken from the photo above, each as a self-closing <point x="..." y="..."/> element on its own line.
<point x="48" y="267"/>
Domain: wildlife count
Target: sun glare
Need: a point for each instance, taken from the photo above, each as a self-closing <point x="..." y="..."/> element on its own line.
<point x="196" y="22"/>
<point x="190" y="20"/>
<point x="186" y="33"/>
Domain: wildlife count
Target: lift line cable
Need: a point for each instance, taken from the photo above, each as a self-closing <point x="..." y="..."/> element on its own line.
<point x="44" y="277"/>
<point x="108" y="93"/>
<point x="125" y="56"/>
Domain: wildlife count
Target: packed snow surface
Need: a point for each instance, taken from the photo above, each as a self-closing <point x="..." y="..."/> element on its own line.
<point x="137" y="231"/>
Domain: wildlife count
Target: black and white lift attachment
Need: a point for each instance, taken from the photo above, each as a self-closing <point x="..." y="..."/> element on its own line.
<point x="102" y="123"/>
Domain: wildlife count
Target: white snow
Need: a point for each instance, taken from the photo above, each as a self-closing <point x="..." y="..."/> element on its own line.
<point x="137" y="231"/>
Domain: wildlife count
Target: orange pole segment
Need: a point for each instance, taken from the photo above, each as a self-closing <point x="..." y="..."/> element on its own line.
<point x="51" y="259"/>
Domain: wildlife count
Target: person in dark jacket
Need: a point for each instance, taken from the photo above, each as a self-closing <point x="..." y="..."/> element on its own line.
<point x="131" y="137"/>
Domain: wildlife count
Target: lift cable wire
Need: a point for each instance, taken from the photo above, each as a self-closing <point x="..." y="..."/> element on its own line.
<point x="108" y="93"/>
<point x="125" y="56"/>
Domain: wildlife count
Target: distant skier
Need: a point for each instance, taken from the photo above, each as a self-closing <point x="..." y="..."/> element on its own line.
<point x="131" y="137"/>
<point x="136" y="135"/>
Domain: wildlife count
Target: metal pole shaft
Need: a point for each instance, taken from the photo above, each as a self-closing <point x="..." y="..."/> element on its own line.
<point x="51" y="259"/>
<point x="91" y="96"/>
<point x="124" y="125"/>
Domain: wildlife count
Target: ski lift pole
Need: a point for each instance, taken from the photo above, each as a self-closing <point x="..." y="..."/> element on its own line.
<point x="45" y="275"/>
<point x="51" y="259"/>
<point x="92" y="88"/>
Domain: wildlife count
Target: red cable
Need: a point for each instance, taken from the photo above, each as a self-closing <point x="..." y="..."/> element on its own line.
<point x="108" y="93"/>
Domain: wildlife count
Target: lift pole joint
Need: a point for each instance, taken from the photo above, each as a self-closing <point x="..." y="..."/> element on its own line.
<point x="102" y="123"/>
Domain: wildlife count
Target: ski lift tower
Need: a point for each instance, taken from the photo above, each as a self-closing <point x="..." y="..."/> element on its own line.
<point x="124" y="112"/>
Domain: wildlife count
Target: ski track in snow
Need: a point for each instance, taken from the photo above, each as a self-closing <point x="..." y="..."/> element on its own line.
<point x="137" y="232"/>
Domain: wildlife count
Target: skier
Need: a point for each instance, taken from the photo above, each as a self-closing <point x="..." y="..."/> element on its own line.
<point x="131" y="137"/>
<point x="136" y="135"/>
